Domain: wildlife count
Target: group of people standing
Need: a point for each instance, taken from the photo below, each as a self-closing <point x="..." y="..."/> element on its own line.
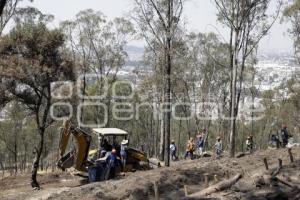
<point x="283" y="140"/>
<point x="197" y="147"/>
<point x="193" y="146"/>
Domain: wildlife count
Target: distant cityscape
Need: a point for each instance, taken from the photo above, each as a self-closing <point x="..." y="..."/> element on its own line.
<point x="272" y="70"/>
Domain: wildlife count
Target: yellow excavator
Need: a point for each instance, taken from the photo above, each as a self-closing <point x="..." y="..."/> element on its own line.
<point x="82" y="158"/>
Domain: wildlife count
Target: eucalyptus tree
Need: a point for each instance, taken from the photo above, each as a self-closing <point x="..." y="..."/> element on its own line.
<point x="8" y="8"/>
<point x="10" y="131"/>
<point x="2" y="5"/>
<point x="97" y="46"/>
<point x="158" y="21"/>
<point x="31" y="59"/>
<point x="204" y="79"/>
<point x="248" y="22"/>
<point x="292" y="13"/>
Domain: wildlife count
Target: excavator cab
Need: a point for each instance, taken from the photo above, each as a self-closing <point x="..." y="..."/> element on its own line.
<point x="109" y="138"/>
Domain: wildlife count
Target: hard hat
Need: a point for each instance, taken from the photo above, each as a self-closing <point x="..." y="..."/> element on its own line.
<point x="124" y="142"/>
<point x="173" y="141"/>
<point x="218" y="138"/>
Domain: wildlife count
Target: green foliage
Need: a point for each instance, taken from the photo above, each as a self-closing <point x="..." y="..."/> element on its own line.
<point x="292" y="14"/>
<point x="97" y="44"/>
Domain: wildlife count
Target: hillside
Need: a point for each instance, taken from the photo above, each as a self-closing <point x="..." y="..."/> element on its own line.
<point x="171" y="181"/>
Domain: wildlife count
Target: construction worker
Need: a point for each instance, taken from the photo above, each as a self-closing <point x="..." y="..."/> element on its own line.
<point x="123" y="153"/>
<point x="190" y="148"/>
<point x="112" y="163"/>
<point x="249" y="143"/>
<point x="284" y="135"/>
<point x="173" y="151"/>
<point x="104" y="147"/>
<point x="115" y="144"/>
<point x="200" y="144"/>
<point x="274" y="141"/>
<point x="218" y="147"/>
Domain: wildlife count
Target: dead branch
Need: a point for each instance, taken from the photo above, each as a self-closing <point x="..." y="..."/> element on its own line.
<point x="223" y="185"/>
<point x="283" y="182"/>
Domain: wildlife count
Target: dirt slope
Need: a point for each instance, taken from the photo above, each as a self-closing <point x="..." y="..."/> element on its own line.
<point x="171" y="181"/>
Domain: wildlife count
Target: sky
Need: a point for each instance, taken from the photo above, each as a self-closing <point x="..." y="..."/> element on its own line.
<point x="199" y="15"/>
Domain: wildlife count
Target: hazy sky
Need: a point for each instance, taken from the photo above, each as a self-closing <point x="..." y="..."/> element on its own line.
<point x="200" y="15"/>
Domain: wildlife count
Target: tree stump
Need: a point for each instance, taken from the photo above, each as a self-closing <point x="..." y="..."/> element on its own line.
<point x="216" y="179"/>
<point x="206" y="180"/>
<point x="291" y="154"/>
<point x="185" y="190"/>
<point x="227" y="174"/>
<point x="266" y="163"/>
<point x="279" y="163"/>
<point x="156" y="190"/>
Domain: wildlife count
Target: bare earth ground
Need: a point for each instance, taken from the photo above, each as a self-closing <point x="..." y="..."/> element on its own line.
<point x="171" y="181"/>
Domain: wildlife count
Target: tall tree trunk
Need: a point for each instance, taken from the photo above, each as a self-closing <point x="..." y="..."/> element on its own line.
<point x="179" y="136"/>
<point x="232" y="118"/>
<point x="168" y="84"/>
<point x="83" y="90"/>
<point x="2" y="5"/>
<point x="25" y="157"/>
<point x="36" y="162"/>
<point x="162" y="138"/>
<point x="16" y="152"/>
<point x="233" y="113"/>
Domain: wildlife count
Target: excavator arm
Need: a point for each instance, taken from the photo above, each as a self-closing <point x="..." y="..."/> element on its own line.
<point x="77" y="157"/>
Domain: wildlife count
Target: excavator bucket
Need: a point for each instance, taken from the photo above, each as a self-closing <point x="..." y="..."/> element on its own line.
<point x="137" y="155"/>
<point x="67" y="161"/>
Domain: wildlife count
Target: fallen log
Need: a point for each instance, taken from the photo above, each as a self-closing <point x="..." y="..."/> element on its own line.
<point x="269" y="178"/>
<point x="223" y="185"/>
<point x="239" y="155"/>
<point x="283" y="182"/>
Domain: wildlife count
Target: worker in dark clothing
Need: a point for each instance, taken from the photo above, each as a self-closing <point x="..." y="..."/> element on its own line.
<point x="104" y="147"/>
<point x="284" y="135"/>
<point x="274" y="141"/>
<point x="112" y="163"/>
<point x="116" y="145"/>
<point x="123" y="153"/>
